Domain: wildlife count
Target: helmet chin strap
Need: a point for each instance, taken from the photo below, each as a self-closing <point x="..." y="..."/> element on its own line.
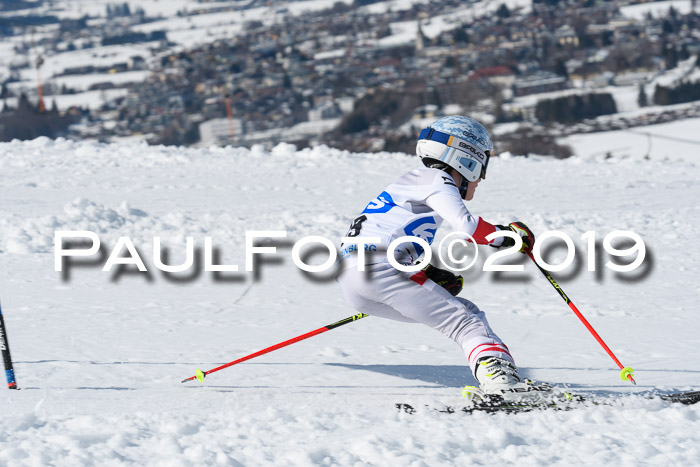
<point x="463" y="187"/>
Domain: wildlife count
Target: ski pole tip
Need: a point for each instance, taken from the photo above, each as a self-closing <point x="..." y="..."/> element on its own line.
<point x="627" y="373"/>
<point x="199" y="374"/>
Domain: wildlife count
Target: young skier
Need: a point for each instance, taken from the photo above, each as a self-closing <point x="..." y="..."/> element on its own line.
<point x="455" y="152"/>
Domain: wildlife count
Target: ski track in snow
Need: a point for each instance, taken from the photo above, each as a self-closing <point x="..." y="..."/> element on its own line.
<point x="100" y="356"/>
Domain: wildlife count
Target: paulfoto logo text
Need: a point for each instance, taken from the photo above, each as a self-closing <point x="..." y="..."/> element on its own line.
<point x="457" y="251"/>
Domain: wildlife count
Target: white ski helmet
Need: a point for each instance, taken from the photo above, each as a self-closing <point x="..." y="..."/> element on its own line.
<point x="460" y="142"/>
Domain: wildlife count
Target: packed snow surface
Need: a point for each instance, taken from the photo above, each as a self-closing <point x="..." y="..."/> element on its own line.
<point x="100" y="355"/>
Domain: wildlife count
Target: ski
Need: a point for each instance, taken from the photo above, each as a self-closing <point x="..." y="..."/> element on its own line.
<point x="686" y="398"/>
<point x="496" y="404"/>
<point x="493" y="404"/>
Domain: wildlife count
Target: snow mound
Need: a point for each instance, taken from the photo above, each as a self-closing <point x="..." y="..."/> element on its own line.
<point x="37" y="235"/>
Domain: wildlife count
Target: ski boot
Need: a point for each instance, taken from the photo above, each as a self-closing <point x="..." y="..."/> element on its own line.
<point x="499" y="377"/>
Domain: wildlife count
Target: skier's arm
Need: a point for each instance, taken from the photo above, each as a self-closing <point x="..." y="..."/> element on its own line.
<point x="450" y="207"/>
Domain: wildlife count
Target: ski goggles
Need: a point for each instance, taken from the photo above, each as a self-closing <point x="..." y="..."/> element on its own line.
<point x="472" y="160"/>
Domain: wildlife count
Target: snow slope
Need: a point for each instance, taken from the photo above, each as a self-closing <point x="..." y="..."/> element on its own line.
<point x="100" y="356"/>
<point x="668" y="141"/>
<point x="657" y="9"/>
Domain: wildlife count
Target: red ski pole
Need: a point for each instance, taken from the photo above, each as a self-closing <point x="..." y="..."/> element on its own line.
<point x="199" y="374"/>
<point x="5" y="350"/>
<point x="626" y="372"/>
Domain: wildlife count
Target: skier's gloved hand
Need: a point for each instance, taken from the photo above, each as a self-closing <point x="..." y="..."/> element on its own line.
<point x="521" y="229"/>
<point x="445" y="279"/>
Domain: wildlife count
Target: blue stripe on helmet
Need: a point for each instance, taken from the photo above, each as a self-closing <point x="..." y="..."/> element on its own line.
<point x="432" y="135"/>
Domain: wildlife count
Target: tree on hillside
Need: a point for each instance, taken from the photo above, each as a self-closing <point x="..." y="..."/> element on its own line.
<point x="503" y="11"/>
<point x="670" y="56"/>
<point x="570" y="109"/>
<point x="684" y="92"/>
<point x="642" y="99"/>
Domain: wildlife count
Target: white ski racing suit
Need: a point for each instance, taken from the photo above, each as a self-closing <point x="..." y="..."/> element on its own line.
<point x="415" y="205"/>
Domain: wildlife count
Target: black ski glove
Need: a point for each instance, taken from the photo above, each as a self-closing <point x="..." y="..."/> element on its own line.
<point x="445" y="279"/>
<point x="521" y="229"/>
